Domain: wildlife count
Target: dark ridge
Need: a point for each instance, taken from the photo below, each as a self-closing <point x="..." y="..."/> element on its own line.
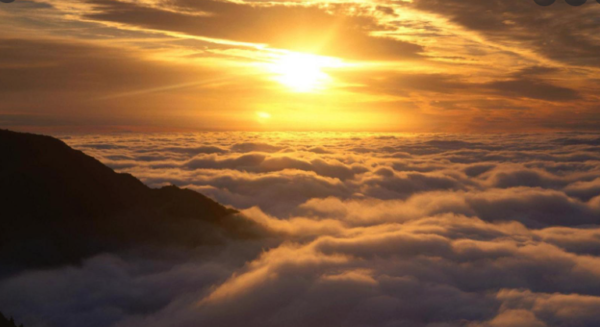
<point x="58" y="205"/>
<point x="5" y="322"/>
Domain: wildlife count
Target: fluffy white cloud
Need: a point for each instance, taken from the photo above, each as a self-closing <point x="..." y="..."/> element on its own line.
<point x="368" y="230"/>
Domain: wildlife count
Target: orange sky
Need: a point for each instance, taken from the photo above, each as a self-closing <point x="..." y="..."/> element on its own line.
<point x="403" y="66"/>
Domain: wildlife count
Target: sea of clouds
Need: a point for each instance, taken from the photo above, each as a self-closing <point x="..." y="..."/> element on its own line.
<point x="368" y="230"/>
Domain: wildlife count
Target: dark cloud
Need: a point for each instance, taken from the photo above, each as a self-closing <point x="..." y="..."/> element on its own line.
<point x="550" y="31"/>
<point x="533" y="89"/>
<point x="523" y="84"/>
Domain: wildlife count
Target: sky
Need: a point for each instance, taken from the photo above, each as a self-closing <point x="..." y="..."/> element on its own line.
<point x="465" y="66"/>
<point x="364" y="229"/>
<point x="412" y="163"/>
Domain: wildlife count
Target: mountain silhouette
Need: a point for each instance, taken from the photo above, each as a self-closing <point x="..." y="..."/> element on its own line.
<point x="58" y="205"/>
<point x="5" y="322"/>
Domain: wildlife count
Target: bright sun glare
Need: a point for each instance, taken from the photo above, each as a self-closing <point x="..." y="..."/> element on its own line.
<point x="263" y="115"/>
<point x="302" y="72"/>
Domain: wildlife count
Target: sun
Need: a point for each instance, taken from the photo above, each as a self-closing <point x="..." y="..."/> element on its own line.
<point x="302" y="72"/>
<point x="263" y="115"/>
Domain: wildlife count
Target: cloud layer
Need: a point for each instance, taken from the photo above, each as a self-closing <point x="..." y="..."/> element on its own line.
<point x="370" y="230"/>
